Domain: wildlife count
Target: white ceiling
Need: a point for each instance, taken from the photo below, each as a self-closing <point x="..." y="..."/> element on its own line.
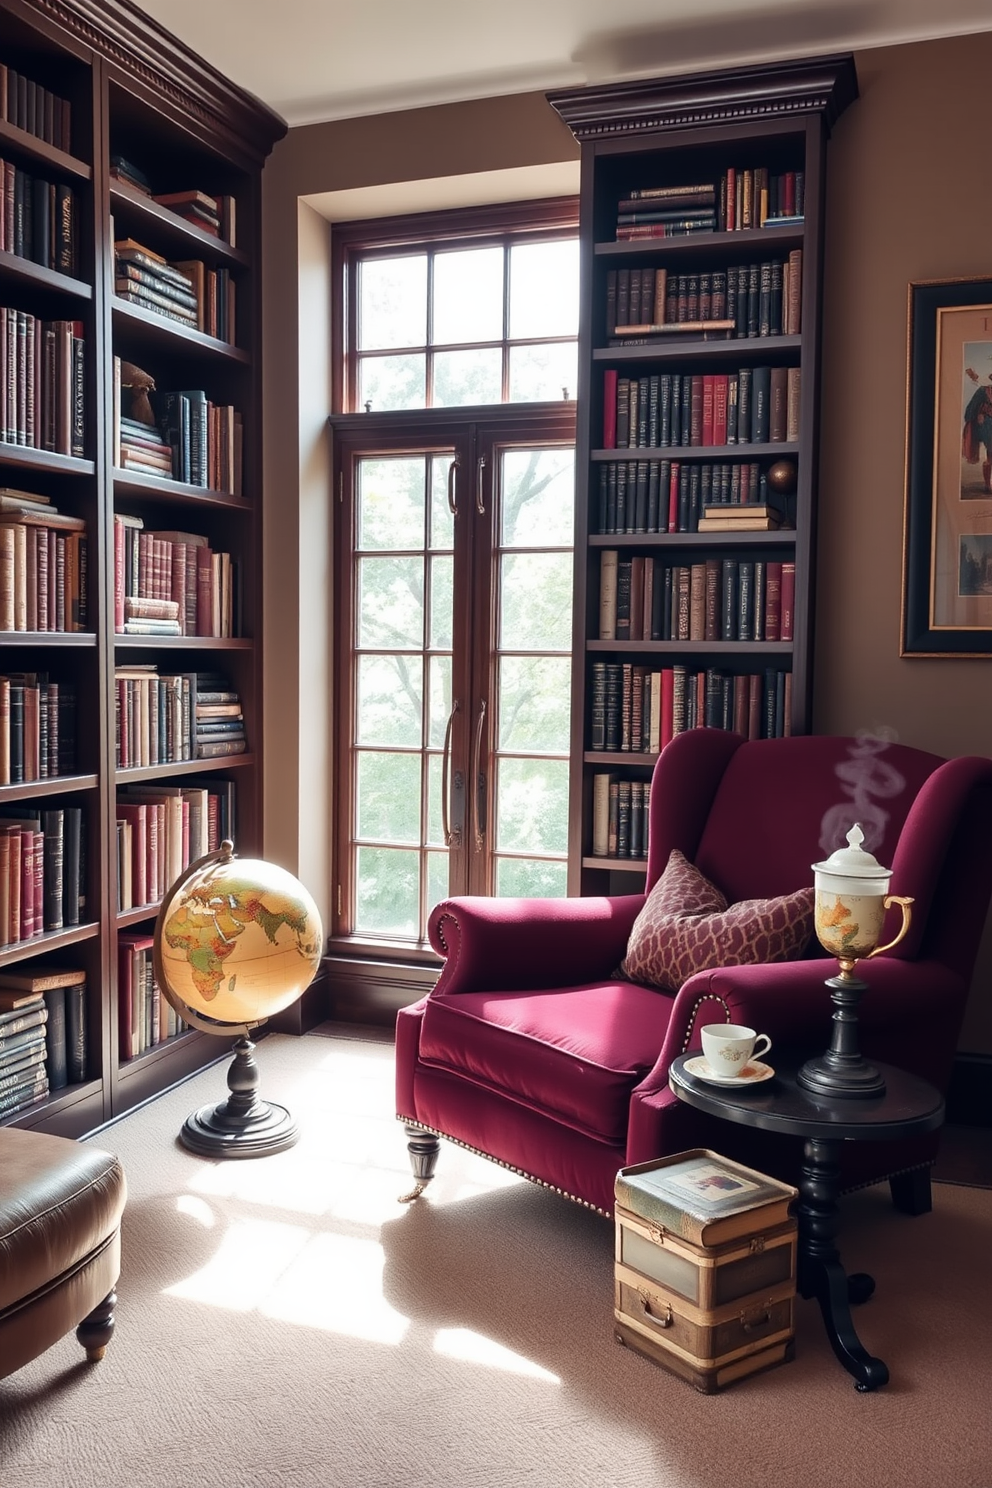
<point x="312" y="60"/>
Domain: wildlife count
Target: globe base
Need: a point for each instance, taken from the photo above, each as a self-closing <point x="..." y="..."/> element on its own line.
<point x="215" y="1131"/>
<point x="242" y="1125"/>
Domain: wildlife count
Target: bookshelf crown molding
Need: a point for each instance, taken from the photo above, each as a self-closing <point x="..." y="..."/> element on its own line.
<point x="139" y="47"/>
<point x="808" y="85"/>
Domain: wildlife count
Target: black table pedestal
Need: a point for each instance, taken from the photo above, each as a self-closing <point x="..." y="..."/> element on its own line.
<point x="906" y="1107"/>
<point x="820" y="1272"/>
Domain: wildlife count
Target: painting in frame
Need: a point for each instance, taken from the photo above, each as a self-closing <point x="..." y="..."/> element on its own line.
<point x="947" y="575"/>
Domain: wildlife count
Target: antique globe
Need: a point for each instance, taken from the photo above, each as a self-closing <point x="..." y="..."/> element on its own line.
<point x="236" y="940"/>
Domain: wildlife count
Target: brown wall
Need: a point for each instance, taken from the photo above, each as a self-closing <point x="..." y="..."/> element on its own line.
<point x="909" y="198"/>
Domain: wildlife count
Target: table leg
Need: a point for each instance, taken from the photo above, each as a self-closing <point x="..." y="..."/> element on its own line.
<point x="821" y="1274"/>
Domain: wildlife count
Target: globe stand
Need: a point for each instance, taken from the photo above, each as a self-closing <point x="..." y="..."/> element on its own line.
<point x="243" y="1125"/>
<point x="842" y="1070"/>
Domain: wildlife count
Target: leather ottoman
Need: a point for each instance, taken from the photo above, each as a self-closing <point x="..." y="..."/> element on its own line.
<point x="60" y="1246"/>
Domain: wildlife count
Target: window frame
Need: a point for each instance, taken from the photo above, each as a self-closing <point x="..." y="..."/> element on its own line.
<point x="356" y="432"/>
<point x="461" y="228"/>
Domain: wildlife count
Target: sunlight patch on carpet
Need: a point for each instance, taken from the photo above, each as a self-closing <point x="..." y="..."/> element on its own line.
<point x="475" y="1348"/>
<point x="336" y="1284"/>
<point x="250" y="1258"/>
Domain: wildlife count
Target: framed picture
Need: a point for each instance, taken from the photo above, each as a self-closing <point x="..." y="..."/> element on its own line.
<point x="947" y="575"/>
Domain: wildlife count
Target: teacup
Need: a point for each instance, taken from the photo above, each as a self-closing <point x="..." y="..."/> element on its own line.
<point x="728" y="1047"/>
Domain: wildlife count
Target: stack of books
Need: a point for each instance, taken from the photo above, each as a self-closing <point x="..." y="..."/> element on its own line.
<point x="23" y="1076"/>
<point x="219" y="721"/>
<point x="56" y="995"/>
<point x="125" y="170"/>
<point x="145" y="278"/>
<point x="749" y="516"/>
<point x="194" y="206"/>
<point x="143" y="449"/>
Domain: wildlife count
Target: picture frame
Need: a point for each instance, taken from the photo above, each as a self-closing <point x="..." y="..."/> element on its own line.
<point x="947" y="541"/>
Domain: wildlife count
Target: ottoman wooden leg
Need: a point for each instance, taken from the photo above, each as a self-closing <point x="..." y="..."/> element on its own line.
<point x="96" y="1330"/>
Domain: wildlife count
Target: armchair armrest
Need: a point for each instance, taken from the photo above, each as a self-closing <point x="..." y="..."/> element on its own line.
<point x="490" y="944"/>
<point x="909" y="1017"/>
<point x="911" y="1011"/>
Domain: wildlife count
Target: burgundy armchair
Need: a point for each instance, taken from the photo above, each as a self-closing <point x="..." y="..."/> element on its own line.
<point x="532" y="1050"/>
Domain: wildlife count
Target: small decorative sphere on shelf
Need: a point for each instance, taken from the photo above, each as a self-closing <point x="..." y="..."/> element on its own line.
<point x="782" y="477"/>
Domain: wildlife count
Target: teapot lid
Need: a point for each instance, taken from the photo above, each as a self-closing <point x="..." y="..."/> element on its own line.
<point x="852" y="861"/>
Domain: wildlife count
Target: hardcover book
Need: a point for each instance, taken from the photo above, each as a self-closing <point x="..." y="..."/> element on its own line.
<point x="703" y="1197"/>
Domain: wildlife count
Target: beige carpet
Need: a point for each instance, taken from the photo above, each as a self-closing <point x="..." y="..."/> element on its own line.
<point x="285" y="1322"/>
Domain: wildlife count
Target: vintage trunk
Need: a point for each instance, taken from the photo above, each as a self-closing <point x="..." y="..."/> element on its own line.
<point x="709" y="1313"/>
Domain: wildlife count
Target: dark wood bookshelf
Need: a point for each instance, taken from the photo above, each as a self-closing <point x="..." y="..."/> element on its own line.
<point x="133" y="209"/>
<point x="135" y="90"/>
<point x="160" y="329"/>
<point x="688" y="131"/>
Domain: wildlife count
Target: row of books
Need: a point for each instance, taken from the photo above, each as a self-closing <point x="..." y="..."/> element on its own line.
<point x="27" y="105"/>
<point x="43" y="567"/>
<point x="754" y="405"/>
<point x="195" y="441"/>
<point x="145" y="1016"/>
<point x="37" y="727"/>
<point x="42" y="377"/>
<point x="161" y="829"/>
<point x="741" y="198"/>
<point x="186" y="290"/>
<point x="42" y="870"/>
<point x="52" y="1000"/>
<point x="718" y="599"/>
<point x="172" y="583"/>
<point x="674" y="495"/>
<point x="746" y="300"/>
<point x="167" y="719"/>
<point x="37" y="219"/>
<point x="619" y="816"/>
<point x="214" y="214"/>
<point x="634" y="709"/>
<point x="24" y="1079"/>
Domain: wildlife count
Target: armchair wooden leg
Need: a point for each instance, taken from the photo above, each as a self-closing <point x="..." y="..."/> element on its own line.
<point x="423" y="1147"/>
<point x="911" y="1191"/>
<point x="94" y="1332"/>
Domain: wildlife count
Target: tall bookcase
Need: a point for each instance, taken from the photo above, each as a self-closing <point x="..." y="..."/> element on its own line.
<point x="91" y="81"/>
<point x="680" y="178"/>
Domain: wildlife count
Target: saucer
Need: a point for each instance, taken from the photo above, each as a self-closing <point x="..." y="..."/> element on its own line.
<point x="752" y="1074"/>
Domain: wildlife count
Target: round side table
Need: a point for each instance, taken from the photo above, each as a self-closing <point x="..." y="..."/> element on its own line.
<point x="909" y="1107"/>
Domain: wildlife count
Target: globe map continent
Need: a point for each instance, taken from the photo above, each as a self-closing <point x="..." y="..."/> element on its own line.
<point x="219" y="924"/>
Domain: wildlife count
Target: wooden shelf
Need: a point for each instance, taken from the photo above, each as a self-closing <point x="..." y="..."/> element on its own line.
<point x="187" y="767"/>
<point x="130" y="205"/>
<point x="156" y="487"/>
<point x="44" y="461"/>
<point x="182" y="643"/>
<point x="51" y="940"/>
<point x="738" y="349"/>
<point x="41" y="153"/>
<point x="616" y="865"/>
<point x="172" y="332"/>
<point x="51" y="785"/>
<point x="724" y="245"/>
<point x="14" y="266"/>
<point x="695" y="648"/>
<point x="782" y="537"/>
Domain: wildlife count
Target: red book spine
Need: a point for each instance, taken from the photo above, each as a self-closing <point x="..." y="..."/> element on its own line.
<point x="204" y="592"/>
<point x="788" y="600"/>
<point x="27" y="884"/>
<point x="773" y="601"/>
<point x="720" y="408"/>
<point x="610" y="408"/>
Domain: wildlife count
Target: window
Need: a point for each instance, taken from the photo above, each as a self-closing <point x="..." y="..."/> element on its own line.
<point x="454" y="567"/>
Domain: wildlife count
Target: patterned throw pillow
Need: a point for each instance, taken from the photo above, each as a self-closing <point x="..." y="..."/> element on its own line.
<point x="687" y="926"/>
